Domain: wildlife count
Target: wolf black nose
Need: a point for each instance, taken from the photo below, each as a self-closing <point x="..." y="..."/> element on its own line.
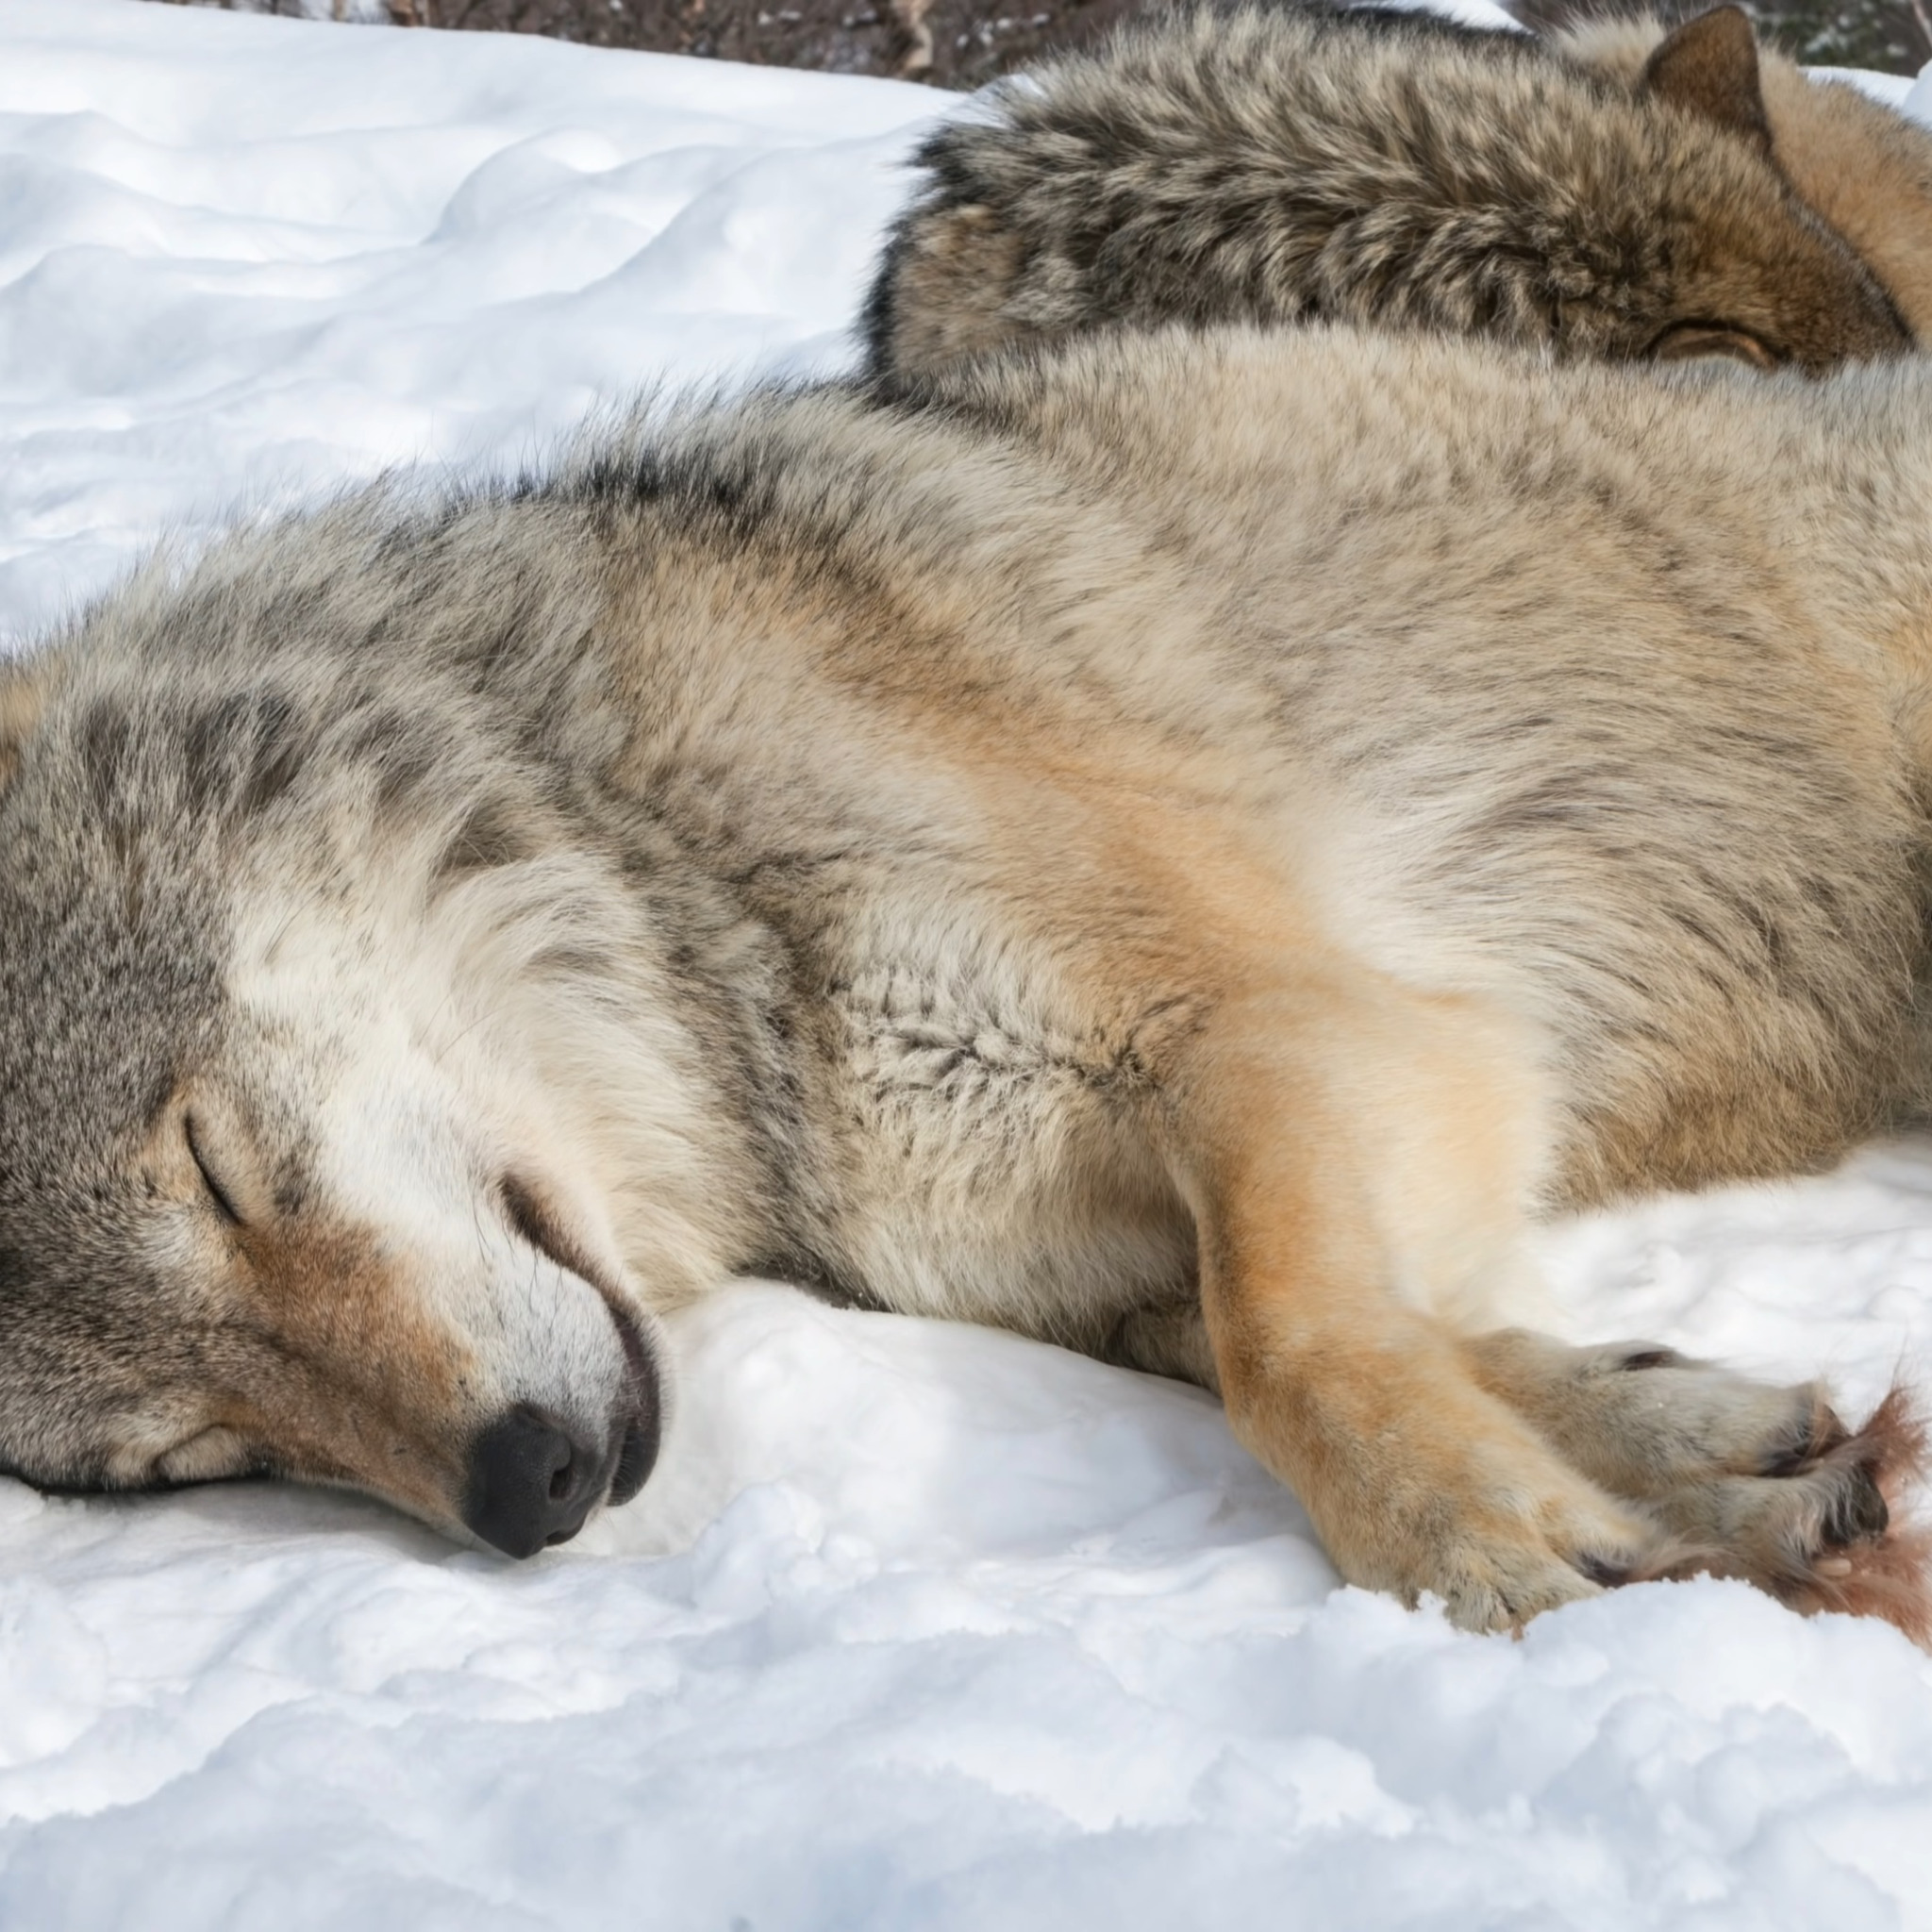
<point x="530" y="1483"/>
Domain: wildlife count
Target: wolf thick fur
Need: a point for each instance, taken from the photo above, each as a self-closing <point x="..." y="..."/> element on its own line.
<point x="1867" y="170"/>
<point x="1029" y="855"/>
<point x="1290" y="165"/>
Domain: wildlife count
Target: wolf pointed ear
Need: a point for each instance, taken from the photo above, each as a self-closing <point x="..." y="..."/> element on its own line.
<point x="24" y="692"/>
<point x="1709" y="66"/>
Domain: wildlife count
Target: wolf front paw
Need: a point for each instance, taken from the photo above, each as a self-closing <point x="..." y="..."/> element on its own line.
<point x="1498" y="1544"/>
<point x="1498" y="1576"/>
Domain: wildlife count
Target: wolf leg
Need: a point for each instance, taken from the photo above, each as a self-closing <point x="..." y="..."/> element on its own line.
<point x="1288" y="1115"/>
<point x="1753" y="1480"/>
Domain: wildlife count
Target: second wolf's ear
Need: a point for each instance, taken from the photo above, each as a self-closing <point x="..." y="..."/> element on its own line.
<point x="24" y="692"/>
<point x="1709" y="66"/>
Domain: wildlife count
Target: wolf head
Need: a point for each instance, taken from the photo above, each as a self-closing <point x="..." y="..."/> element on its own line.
<point x="310" y="1102"/>
<point x="1864" y="166"/>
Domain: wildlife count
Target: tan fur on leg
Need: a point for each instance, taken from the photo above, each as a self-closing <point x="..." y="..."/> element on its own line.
<point x="1417" y="1478"/>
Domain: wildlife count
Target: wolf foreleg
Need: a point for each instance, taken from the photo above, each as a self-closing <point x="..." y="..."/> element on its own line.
<point x="1417" y="1477"/>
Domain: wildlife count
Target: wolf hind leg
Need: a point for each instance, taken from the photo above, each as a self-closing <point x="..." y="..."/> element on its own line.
<point x="1751" y="1479"/>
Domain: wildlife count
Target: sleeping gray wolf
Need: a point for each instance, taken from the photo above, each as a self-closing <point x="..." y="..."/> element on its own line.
<point x="1195" y="885"/>
<point x="1621" y="197"/>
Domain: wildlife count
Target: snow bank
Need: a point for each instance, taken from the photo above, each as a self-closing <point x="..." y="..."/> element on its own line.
<point x="921" y="1626"/>
<point x="243" y="257"/>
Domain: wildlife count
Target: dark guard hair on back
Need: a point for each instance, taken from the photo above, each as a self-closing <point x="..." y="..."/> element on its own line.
<point x="1293" y="164"/>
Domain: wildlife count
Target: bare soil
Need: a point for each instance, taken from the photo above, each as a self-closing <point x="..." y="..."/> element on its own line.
<point x="963" y="44"/>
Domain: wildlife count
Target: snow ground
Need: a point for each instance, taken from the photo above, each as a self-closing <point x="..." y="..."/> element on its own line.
<point x="920" y="1625"/>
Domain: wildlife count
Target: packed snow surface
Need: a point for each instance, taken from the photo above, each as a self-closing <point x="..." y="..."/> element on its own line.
<point x="918" y="1625"/>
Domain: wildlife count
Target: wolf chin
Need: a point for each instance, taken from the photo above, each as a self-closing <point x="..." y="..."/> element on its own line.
<point x="1622" y="193"/>
<point x="1194" y="885"/>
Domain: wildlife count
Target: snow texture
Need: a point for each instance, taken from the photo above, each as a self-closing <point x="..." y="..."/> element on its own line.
<point x="919" y="1626"/>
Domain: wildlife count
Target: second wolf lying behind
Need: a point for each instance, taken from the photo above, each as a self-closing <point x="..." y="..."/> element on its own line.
<point x="1622" y="194"/>
<point x="1049" y="859"/>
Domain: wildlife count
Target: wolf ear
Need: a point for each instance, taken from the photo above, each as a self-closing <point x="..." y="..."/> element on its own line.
<point x="24" y="692"/>
<point x="1709" y="66"/>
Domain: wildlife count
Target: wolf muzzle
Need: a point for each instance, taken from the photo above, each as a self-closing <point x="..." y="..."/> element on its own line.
<point x="533" y="1481"/>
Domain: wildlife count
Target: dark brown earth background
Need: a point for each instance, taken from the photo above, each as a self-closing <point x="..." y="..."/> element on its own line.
<point x="963" y="44"/>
